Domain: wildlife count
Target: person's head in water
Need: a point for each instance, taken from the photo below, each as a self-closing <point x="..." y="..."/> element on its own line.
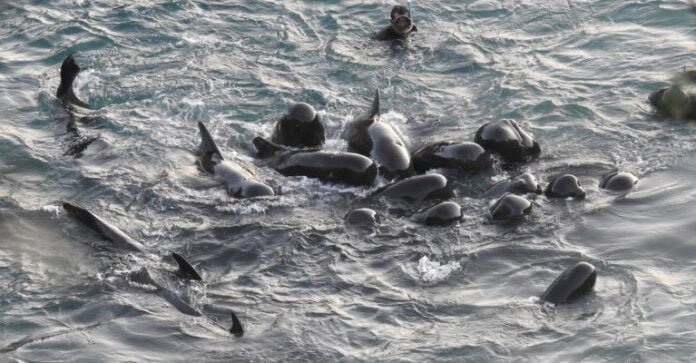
<point x="401" y="20"/>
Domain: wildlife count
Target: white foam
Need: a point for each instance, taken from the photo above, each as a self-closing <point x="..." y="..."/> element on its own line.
<point x="433" y="271"/>
<point x="53" y="209"/>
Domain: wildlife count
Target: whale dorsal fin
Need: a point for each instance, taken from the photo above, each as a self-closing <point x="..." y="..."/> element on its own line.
<point x="208" y="145"/>
<point x="237" y="329"/>
<point x="68" y="72"/>
<point x="185" y="269"/>
<point x="208" y="149"/>
<point x="265" y="148"/>
<point x="374" y="108"/>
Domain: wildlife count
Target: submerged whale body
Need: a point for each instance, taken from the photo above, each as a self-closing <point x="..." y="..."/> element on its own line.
<point x="619" y="182"/>
<point x="418" y="188"/>
<point x="441" y="214"/>
<point x="364" y="218"/>
<point x="239" y="181"/>
<point x="301" y="127"/>
<point x="510" y="207"/>
<point x="507" y="139"/>
<point x="522" y="184"/>
<point x="375" y="138"/>
<point x="572" y="284"/>
<point x="331" y="166"/>
<point x="122" y="241"/>
<point x="565" y="186"/>
<point x="461" y="156"/>
<point x="105" y="230"/>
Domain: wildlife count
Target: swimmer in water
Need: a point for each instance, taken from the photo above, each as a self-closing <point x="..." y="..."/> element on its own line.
<point x="401" y="25"/>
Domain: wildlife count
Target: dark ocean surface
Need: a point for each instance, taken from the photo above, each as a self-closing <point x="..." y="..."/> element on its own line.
<point x="576" y="74"/>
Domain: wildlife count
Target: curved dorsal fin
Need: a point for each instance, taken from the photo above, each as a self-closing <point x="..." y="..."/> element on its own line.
<point x="68" y="72"/>
<point x="185" y="269"/>
<point x="236" y="329"/>
<point x="208" y="145"/>
<point x="265" y="148"/>
<point x="374" y="108"/>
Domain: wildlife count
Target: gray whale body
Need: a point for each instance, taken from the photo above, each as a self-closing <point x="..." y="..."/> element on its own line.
<point x="239" y="181"/>
<point x="418" y="188"/>
<point x="331" y="166"/>
<point x="372" y="137"/>
<point x="460" y="156"/>
<point x="572" y="284"/>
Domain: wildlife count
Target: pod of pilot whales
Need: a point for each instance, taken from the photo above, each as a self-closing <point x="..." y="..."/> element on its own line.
<point x="376" y="148"/>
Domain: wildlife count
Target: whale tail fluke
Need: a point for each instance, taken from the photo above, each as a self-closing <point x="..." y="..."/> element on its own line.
<point x="68" y="72"/>
<point x="186" y="270"/>
<point x="265" y="148"/>
<point x="374" y="108"/>
<point x="237" y="329"/>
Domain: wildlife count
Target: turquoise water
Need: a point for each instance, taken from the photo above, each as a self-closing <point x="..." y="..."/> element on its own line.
<point x="575" y="73"/>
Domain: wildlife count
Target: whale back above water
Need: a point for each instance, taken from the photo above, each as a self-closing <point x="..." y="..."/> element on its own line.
<point x="331" y="166"/>
<point x="104" y="229"/>
<point x="379" y="140"/>
<point x="573" y="283"/>
<point x="239" y="181"/>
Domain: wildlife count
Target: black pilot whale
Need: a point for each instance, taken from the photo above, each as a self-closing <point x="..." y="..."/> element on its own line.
<point x="77" y="143"/>
<point x="332" y="166"/>
<point x="238" y="181"/>
<point x="573" y="283"/>
<point x="375" y="138"/>
<point x="122" y="241"/>
<point x="68" y="72"/>
<point x="301" y="127"/>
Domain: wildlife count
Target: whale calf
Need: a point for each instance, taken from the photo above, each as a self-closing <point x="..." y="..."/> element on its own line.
<point x="239" y="181"/>
<point x="331" y="166"/>
<point x="573" y="283"/>
<point x="375" y="138"/>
